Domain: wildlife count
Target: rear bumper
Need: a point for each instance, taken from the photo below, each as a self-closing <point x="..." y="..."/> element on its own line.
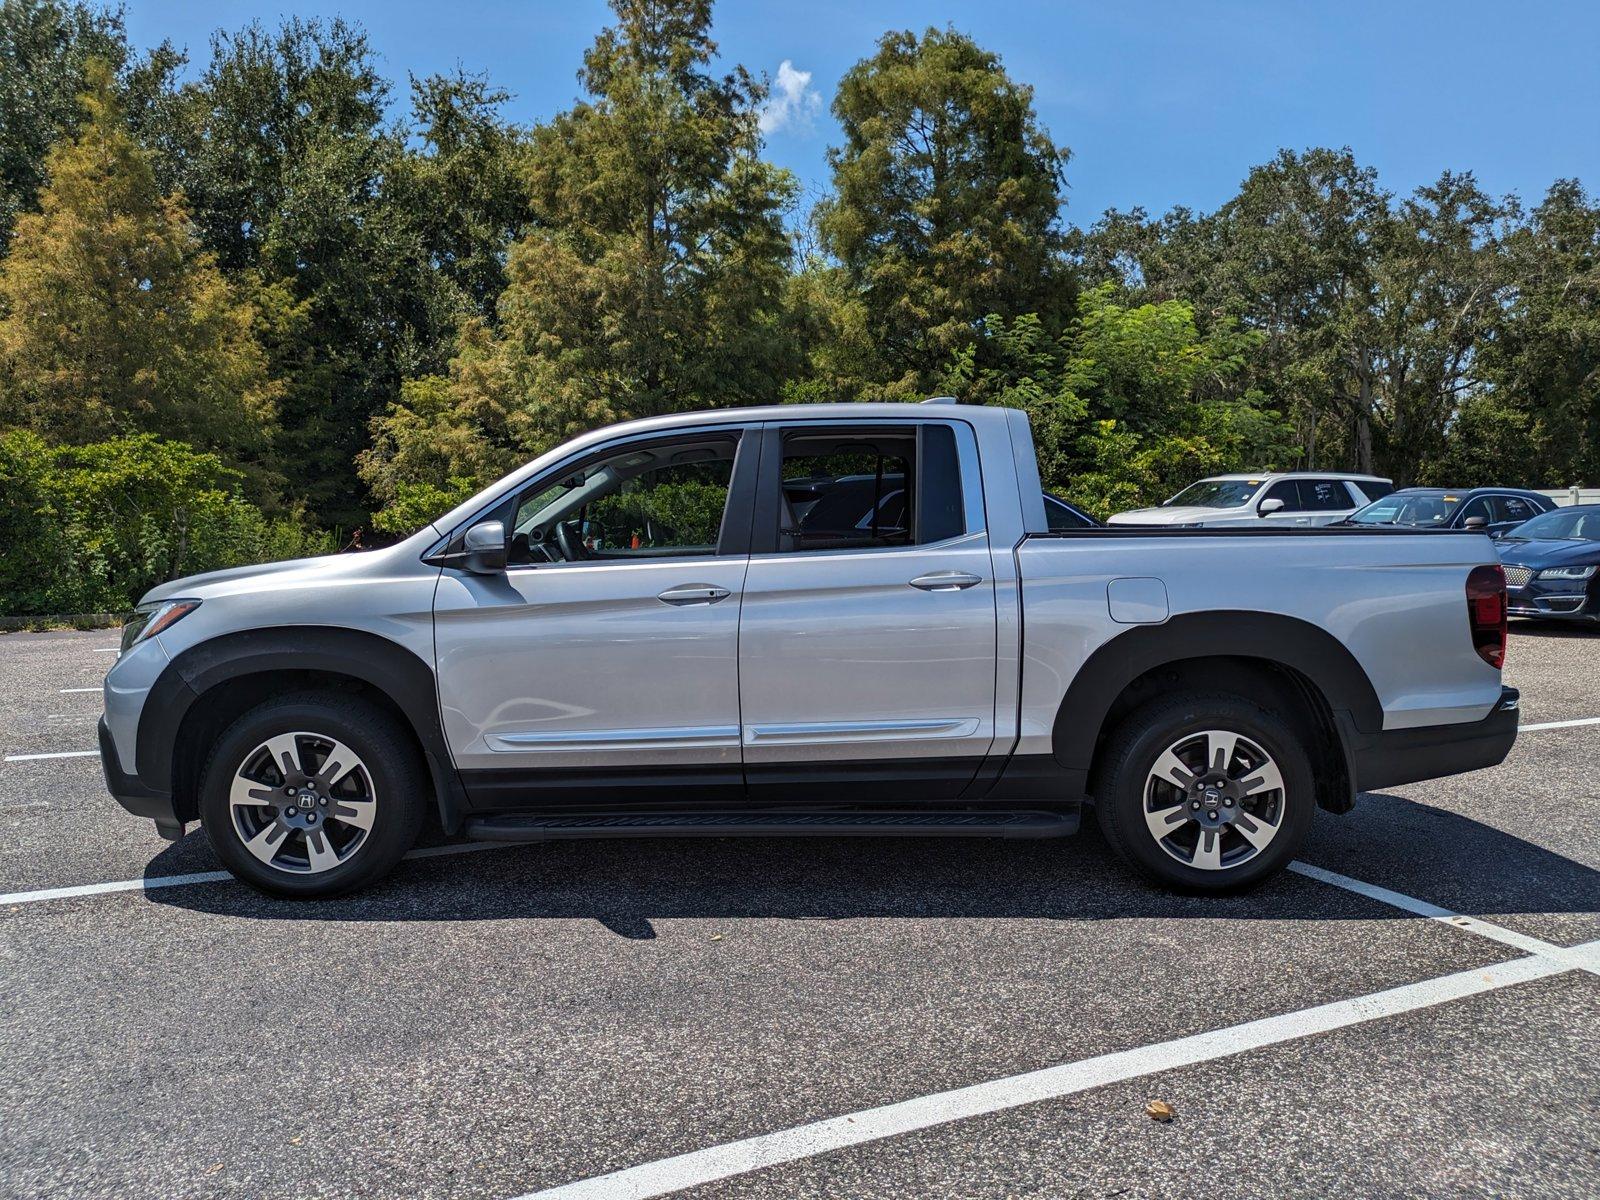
<point x="134" y="795"/>
<point x="1398" y="756"/>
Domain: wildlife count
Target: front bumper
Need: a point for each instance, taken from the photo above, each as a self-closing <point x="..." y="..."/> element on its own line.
<point x="135" y="796"/>
<point x="1398" y="756"/>
<point x="1552" y="601"/>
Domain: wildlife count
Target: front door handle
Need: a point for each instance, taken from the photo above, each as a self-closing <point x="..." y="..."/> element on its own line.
<point x="945" y="581"/>
<point x="694" y="593"/>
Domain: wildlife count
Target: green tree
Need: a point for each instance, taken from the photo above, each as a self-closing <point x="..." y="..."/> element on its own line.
<point x="461" y="188"/>
<point x="45" y="51"/>
<point x="91" y="528"/>
<point x="112" y="318"/>
<point x="1541" y="361"/>
<point x="946" y="204"/>
<point x="651" y="276"/>
<point x="1130" y="402"/>
<point x="281" y="147"/>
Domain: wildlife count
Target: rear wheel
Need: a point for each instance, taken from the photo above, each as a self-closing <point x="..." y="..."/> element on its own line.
<point x="1205" y="792"/>
<point x="312" y="795"/>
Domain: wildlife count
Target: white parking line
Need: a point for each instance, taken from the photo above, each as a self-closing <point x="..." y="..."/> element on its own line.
<point x="891" y="1120"/>
<point x="1559" y="724"/>
<point x="56" y="754"/>
<point x="166" y="881"/>
<point x="108" y="649"/>
<point x="95" y="689"/>
<point x="1486" y="929"/>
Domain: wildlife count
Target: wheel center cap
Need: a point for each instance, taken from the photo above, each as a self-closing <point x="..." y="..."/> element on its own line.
<point x="1212" y="797"/>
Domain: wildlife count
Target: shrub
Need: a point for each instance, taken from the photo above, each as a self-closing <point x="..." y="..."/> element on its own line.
<point x="92" y="528"/>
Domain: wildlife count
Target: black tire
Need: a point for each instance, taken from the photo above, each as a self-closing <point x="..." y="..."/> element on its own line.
<point x="1131" y="754"/>
<point x="387" y="754"/>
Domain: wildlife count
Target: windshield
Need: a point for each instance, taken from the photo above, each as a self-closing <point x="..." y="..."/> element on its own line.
<point x="1417" y="509"/>
<point x="1559" y="526"/>
<point x="1215" y="493"/>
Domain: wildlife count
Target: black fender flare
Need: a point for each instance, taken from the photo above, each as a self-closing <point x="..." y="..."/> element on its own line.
<point x="1286" y="641"/>
<point x="397" y="672"/>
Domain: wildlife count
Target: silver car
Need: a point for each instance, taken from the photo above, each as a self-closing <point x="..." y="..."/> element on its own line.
<point x="1294" y="499"/>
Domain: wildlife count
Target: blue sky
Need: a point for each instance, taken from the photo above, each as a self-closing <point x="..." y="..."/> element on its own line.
<point x="1161" y="103"/>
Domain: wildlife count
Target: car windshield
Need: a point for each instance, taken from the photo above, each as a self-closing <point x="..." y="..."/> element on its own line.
<point x="1416" y="509"/>
<point x="1560" y="526"/>
<point x="1215" y="493"/>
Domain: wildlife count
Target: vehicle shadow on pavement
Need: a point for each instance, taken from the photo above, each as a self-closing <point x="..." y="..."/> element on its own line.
<point x="1425" y="852"/>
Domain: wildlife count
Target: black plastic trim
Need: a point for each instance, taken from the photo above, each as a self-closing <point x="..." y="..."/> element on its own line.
<point x="903" y="822"/>
<point x="403" y="677"/>
<point x="1397" y="756"/>
<point x="1037" y="777"/>
<point x="132" y="793"/>
<point x="852" y="781"/>
<point x="1277" y="639"/>
<point x="508" y="789"/>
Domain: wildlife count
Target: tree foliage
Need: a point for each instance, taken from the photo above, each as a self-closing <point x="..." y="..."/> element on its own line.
<point x="946" y="198"/>
<point x="90" y="528"/>
<point x="319" y="301"/>
<point x="113" y="319"/>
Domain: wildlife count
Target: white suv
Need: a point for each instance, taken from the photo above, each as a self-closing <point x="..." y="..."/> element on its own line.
<point x="1286" y="499"/>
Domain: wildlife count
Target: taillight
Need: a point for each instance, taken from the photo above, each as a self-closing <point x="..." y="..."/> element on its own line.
<point x="1486" y="613"/>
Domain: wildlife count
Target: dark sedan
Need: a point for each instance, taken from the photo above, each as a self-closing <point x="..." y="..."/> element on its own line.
<point x="1551" y="564"/>
<point x="1493" y="510"/>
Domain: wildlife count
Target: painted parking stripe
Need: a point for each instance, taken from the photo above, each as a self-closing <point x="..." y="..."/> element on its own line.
<point x="699" y="1167"/>
<point x="1486" y="929"/>
<point x="108" y="650"/>
<point x="56" y="754"/>
<point x="93" y="689"/>
<point x="166" y="881"/>
<point x="1559" y="724"/>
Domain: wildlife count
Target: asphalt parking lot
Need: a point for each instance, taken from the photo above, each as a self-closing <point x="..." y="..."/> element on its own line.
<point x="808" y="1018"/>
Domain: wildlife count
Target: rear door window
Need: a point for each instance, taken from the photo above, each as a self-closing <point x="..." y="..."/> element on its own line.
<point x="852" y="488"/>
<point x="1324" y="495"/>
<point x="1512" y="508"/>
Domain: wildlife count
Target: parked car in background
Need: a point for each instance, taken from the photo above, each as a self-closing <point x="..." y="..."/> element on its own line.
<point x="1493" y="510"/>
<point x="1551" y="565"/>
<point x="1268" y="500"/>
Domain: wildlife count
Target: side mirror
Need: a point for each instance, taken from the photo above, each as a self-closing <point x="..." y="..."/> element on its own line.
<point x="483" y="550"/>
<point x="1268" y="507"/>
<point x="1474" y="523"/>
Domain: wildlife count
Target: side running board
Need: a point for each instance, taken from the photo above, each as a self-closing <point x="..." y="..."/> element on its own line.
<point x="540" y="827"/>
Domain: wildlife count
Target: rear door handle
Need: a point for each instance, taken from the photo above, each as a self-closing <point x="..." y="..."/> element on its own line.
<point x="694" y="593"/>
<point x="945" y="581"/>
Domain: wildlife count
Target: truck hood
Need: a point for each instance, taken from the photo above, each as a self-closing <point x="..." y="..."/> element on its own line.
<point x="212" y="583"/>
<point x="1183" y="514"/>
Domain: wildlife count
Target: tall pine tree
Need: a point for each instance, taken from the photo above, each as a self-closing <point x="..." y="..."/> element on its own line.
<point x="113" y="319"/>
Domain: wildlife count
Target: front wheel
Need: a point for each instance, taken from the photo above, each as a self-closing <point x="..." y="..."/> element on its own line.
<point x="312" y="795"/>
<point x="1205" y="792"/>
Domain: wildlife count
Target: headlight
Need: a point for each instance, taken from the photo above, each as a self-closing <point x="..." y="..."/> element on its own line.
<point x="1566" y="573"/>
<point x="151" y="618"/>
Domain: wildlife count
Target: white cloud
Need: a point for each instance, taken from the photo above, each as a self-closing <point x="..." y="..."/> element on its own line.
<point x="792" y="103"/>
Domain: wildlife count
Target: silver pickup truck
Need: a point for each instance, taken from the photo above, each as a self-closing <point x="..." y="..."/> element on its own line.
<point x="807" y="620"/>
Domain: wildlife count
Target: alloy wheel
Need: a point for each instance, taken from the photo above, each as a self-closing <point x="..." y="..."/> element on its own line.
<point x="302" y="802"/>
<point x="1214" y="800"/>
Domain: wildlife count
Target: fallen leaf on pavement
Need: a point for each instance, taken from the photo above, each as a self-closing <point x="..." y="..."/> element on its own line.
<point x="1159" y="1110"/>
